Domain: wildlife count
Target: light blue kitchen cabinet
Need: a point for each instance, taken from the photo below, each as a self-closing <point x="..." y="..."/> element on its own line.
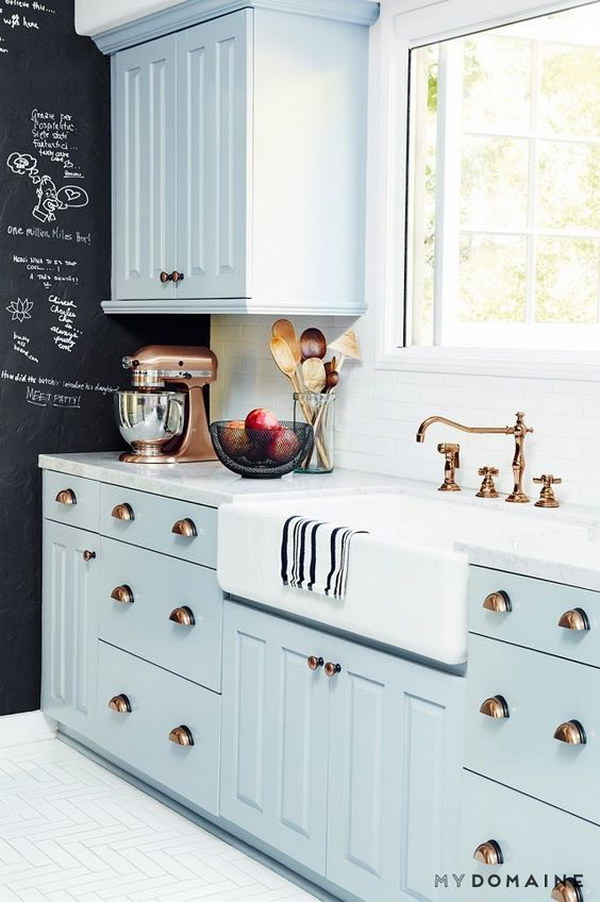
<point x="354" y="775"/>
<point x="275" y="733"/>
<point x="395" y="758"/>
<point x="69" y="614"/>
<point x="213" y="126"/>
<point x="145" y="168"/>
<point x="239" y="159"/>
<point x="539" y="846"/>
<point x="180" y="125"/>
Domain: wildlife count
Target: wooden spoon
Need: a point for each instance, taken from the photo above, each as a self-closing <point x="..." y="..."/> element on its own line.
<point x="313" y="344"/>
<point x="333" y="377"/>
<point x="283" y="357"/>
<point x="282" y="328"/>
<point x="314" y="375"/>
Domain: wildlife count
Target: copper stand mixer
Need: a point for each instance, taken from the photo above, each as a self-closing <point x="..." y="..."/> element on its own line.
<point x="165" y="426"/>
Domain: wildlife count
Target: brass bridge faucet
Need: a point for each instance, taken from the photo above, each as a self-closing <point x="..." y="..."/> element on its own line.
<point x="519" y="431"/>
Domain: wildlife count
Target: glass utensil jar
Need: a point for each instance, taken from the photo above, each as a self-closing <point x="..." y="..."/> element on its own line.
<point x="319" y="410"/>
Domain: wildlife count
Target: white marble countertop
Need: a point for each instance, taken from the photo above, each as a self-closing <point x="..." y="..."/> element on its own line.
<point x="559" y="545"/>
<point x="211" y="483"/>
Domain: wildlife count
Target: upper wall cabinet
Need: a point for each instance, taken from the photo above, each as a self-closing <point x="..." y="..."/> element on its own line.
<point x="239" y="156"/>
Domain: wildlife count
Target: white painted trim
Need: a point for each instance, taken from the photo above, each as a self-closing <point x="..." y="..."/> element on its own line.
<point x="32" y="726"/>
<point x="233" y="305"/>
<point x="403" y="25"/>
<point x="481" y="362"/>
<point x="192" y="12"/>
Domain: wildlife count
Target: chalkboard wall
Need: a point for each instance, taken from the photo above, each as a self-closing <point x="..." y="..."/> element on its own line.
<point x="59" y="354"/>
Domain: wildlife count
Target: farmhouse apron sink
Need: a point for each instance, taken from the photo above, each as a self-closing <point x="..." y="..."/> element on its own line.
<point x="407" y="585"/>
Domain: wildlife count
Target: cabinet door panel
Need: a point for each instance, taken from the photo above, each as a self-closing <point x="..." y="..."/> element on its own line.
<point x="69" y="627"/>
<point x="145" y="123"/>
<point x="214" y="91"/>
<point x="275" y="710"/>
<point x="395" y="764"/>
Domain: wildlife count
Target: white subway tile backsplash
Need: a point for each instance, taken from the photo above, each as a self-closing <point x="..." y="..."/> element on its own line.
<point x="378" y="411"/>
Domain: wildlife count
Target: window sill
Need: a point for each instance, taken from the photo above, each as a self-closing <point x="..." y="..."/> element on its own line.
<point x="559" y="365"/>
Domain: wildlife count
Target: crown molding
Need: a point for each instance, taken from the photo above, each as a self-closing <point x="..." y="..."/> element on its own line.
<point x="193" y="12"/>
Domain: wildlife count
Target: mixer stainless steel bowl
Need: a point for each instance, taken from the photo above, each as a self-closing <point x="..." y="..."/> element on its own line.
<point x="149" y="420"/>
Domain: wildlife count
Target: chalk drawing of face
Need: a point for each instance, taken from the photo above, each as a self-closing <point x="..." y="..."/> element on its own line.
<point x="21" y="163"/>
<point x="48" y="200"/>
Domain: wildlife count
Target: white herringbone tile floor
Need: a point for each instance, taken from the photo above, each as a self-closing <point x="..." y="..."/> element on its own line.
<point x="71" y="831"/>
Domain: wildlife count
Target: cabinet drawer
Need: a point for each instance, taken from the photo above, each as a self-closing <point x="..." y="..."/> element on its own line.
<point x="541" y="692"/>
<point x="152" y="520"/>
<point x="162" y="587"/>
<point x="160" y="702"/>
<point x="535" y="840"/>
<point x="537" y="606"/>
<point x="71" y="500"/>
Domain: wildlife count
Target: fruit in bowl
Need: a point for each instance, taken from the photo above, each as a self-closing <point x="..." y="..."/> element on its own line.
<point x="262" y="418"/>
<point x="234" y="438"/>
<point x="283" y="445"/>
<point x="266" y="449"/>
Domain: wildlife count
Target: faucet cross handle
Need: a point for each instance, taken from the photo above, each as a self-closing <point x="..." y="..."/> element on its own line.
<point x="488" y="487"/>
<point x="547" y="497"/>
<point x="520" y="424"/>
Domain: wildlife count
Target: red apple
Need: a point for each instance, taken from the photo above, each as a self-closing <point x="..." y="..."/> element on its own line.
<point x="283" y="445"/>
<point x="261" y="418"/>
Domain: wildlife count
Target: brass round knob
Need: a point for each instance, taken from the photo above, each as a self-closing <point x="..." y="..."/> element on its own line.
<point x="498" y="602"/>
<point x="567" y="890"/>
<point x="89" y="555"/>
<point x="489" y="853"/>
<point x="122" y="512"/>
<point x="571" y="732"/>
<point x="177" y="276"/>
<point x="185" y="528"/>
<point x="183" y="616"/>
<point x="120" y="704"/>
<point x="496" y="707"/>
<point x="314" y="663"/>
<point x="165" y="277"/>
<point x="331" y="669"/>
<point x="66" y="496"/>
<point x="575" y="619"/>
<point x="181" y="735"/>
<point x="122" y="594"/>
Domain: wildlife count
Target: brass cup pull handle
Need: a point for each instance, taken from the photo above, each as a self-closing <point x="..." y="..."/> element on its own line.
<point x="495" y="707"/>
<point x="89" y="555"/>
<point x="314" y="662"/>
<point x="122" y="594"/>
<point x="489" y="853"/>
<point x="185" y="528"/>
<point x="177" y="276"/>
<point x="122" y="512"/>
<point x="181" y="735"/>
<point x="120" y="704"/>
<point x="66" y="496"/>
<point x="498" y="602"/>
<point x="567" y="891"/>
<point x="575" y="619"/>
<point x="331" y="669"/>
<point x="184" y="616"/>
<point x="571" y="732"/>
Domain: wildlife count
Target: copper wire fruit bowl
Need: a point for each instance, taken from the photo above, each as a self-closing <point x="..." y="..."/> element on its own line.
<point x="261" y="453"/>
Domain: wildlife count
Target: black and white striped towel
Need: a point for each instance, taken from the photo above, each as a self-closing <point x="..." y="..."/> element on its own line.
<point x="315" y="555"/>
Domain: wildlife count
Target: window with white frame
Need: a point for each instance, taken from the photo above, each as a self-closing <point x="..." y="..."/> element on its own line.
<point x="503" y="227"/>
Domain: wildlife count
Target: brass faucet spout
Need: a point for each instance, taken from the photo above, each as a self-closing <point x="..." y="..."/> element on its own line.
<point x="479" y="430"/>
<point x="519" y="431"/>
